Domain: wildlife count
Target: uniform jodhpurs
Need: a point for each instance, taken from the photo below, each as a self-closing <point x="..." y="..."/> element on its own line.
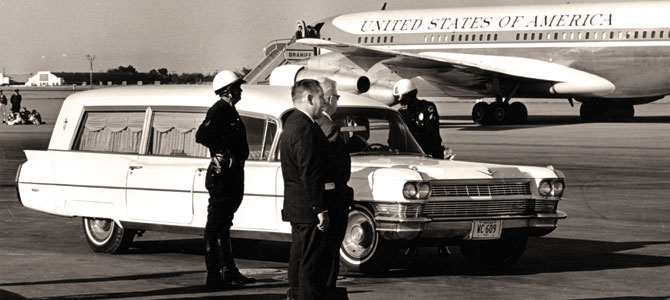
<point x="225" y="196"/>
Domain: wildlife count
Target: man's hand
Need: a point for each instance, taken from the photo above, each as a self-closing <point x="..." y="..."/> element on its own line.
<point x="324" y="221"/>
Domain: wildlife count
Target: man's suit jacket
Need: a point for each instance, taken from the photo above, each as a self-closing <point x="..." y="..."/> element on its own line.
<point x="304" y="161"/>
<point x="341" y="157"/>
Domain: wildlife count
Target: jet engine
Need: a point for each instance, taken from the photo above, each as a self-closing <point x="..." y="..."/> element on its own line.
<point x="287" y="75"/>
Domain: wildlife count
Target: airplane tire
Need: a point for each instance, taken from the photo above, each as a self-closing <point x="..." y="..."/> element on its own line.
<point x="481" y="113"/>
<point x="588" y="112"/>
<point x="500" y="113"/>
<point x="520" y="112"/>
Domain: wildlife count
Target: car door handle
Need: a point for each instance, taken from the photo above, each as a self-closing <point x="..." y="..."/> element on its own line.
<point x="135" y="167"/>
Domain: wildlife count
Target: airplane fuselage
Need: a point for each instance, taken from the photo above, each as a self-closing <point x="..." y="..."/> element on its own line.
<point x="626" y="43"/>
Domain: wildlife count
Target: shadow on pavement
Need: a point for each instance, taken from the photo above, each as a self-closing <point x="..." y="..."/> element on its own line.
<point x="114" y="278"/>
<point x="247" y="249"/>
<point x="6" y="295"/>
<point x="543" y="255"/>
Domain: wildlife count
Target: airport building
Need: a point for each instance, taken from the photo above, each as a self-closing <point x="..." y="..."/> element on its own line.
<point x="44" y="78"/>
<point x="3" y="79"/>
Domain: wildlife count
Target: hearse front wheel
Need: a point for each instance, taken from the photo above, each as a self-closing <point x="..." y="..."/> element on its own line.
<point x="494" y="255"/>
<point x="104" y="235"/>
<point x="363" y="249"/>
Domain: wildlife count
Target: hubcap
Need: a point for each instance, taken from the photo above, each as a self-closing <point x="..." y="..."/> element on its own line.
<point x="100" y="229"/>
<point x="360" y="237"/>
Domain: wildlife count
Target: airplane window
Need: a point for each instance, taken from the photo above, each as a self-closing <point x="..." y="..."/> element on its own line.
<point x="653" y="34"/>
<point x="565" y="36"/>
<point x="586" y="36"/>
<point x="556" y="35"/>
<point x="572" y="35"/>
<point x="453" y="37"/>
<point x="432" y="38"/>
<point x="579" y="36"/>
<point x="532" y="36"/>
<point x="644" y="34"/>
<point x="517" y="36"/>
<point x="379" y="39"/>
<point x="425" y="38"/>
<point x="595" y="35"/>
<point x="539" y="36"/>
<point x="481" y="37"/>
<point x="549" y="36"/>
<point x="474" y="37"/>
<point x="359" y="39"/>
<point x="439" y="38"/>
<point x="467" y="37"/>
<point x="495" y="37"/>
<point x="385" y="39"/>
<point x="525" y="36"/>
<point x="627" y="34"/>
<point x="488" y="37"/>
<point x="460" y="37"/>
<point x="636" y="34"/>
<point x="391" y="40"/>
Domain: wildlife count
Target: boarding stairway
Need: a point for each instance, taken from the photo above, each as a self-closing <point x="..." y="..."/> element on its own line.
<point x="277" y="53"/>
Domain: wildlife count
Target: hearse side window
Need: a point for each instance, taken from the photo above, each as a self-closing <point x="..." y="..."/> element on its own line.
<point x="260" y="135"/>
<point x="173" y="134"/>
<point x="112" y="131"/>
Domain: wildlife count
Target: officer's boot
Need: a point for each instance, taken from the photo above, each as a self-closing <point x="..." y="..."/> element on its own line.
<point x="230" y="272"/>
<point x="213" y="259"/>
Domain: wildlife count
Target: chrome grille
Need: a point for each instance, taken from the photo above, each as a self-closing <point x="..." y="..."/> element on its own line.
<point x="478" y="190"/>
<point x="476" y="208"/>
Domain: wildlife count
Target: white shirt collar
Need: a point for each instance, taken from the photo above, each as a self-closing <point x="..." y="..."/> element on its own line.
<point x="327" y="115"/>
<point x="310" y="117"/>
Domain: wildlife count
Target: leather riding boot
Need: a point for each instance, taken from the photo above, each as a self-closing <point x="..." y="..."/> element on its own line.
<point x="230" y="271"/>
<point x="213" y="263"/>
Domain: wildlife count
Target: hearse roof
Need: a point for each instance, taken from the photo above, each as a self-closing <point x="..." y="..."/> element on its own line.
<point x="264" y="99"/>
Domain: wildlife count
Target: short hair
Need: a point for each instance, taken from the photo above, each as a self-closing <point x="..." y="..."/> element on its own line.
<point x="327" y="84"/>
<point x="305" y="86"/>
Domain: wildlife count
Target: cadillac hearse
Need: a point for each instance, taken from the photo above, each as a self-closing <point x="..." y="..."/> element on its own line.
<point x="125" y="160"/>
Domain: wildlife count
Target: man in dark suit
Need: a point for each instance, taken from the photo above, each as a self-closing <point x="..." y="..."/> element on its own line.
<point x="342" y="198"/>
<point x="304" y="161"/>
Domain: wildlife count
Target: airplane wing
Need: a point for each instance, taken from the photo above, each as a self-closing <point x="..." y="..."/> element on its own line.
<point x="561" y="80"/>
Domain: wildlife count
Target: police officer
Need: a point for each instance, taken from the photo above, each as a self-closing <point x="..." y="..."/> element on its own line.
<point x="420" y="116"/>
<point x="224" y="133"/>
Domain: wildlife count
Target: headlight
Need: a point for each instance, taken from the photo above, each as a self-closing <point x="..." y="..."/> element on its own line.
<point x="416" y="190"/>
<point x="410" y="190"/>
<point x="551" y="187"/>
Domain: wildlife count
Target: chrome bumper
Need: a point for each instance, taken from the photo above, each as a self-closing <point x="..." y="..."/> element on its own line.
<point x="450" y="228"/>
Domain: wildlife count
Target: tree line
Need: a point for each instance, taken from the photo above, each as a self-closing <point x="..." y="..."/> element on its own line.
<point x="130" y="75"/>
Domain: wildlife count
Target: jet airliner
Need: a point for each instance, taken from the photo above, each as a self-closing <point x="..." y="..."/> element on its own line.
<point x="608" y="56"/>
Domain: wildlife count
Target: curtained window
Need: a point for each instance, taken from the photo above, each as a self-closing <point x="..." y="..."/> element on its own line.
<point x="260" y="135"/>
<point x="118" y="132"/>
<point x="173" y="133"/>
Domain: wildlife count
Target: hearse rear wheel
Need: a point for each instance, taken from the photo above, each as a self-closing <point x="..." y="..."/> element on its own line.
<point x="494" y="255"/>
<point x="105" y="236"/>
<point x="363" y="249"/>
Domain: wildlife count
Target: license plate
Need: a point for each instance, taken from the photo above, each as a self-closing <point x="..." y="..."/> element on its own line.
<point x="486" y="229"/>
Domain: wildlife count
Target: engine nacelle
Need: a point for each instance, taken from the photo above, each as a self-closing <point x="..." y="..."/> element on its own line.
<point x="382" y="93"/>
<point x="287" y="75"/>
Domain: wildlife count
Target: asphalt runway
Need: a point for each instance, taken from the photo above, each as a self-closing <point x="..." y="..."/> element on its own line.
<point x="615" y="243"/>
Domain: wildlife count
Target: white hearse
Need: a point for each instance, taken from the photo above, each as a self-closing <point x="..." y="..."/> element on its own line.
<point x="126" y="161"/>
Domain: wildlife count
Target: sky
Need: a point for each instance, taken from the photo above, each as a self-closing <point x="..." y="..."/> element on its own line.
<point x="202" y="36"/>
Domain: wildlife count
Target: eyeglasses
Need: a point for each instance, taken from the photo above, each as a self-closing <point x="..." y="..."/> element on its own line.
<point x="333" y="98"/>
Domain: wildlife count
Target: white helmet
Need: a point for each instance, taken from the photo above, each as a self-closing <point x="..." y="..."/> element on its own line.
<point x="403" y="86"/>
<point x="224" y="79"/>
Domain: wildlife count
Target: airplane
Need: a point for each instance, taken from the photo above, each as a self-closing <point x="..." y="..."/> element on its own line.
<point x="607" y="56"/>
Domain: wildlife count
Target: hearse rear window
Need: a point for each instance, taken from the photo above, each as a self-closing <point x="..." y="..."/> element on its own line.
<point x="118" y="132"/>
<point x="173" y="134"/>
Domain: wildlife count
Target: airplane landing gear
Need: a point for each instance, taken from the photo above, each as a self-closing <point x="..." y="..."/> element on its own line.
<point x="499" y="112"/>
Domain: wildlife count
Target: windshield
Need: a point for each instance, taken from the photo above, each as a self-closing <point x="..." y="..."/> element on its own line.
<point x="375" y="131"/>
